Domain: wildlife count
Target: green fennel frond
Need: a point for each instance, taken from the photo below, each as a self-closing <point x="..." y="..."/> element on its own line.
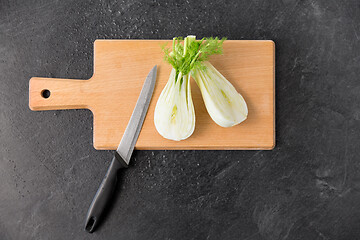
<point x="187" y="54"/>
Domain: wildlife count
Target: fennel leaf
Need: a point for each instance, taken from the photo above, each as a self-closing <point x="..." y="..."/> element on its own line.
<point x="187" y="54"/>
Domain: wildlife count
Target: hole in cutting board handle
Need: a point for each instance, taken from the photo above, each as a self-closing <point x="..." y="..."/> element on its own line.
<point x="45" y="93"/>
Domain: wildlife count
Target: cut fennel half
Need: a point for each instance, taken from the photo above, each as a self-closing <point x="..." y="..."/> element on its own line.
<point x="174" y="116"/>
<point x="223" y="103"/>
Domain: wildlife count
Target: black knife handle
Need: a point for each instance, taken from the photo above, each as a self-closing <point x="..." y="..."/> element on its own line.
<point x="103" y="194"/>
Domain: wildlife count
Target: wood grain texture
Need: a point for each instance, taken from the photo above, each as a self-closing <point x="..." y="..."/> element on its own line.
<point x="120" y="68"/>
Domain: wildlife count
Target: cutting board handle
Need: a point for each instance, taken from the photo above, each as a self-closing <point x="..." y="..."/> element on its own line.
<point x="57" y="93"/>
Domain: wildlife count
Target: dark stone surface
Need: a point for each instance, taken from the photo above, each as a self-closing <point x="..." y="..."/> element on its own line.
<point x="308" y="187"/>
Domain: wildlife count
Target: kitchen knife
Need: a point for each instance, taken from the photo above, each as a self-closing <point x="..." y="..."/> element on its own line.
<point x="123" y="153"/>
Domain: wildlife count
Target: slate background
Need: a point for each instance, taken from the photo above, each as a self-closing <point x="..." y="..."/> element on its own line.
<point x="308" y="187"/>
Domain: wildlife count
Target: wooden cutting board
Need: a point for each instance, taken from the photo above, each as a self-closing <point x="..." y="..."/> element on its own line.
<point x="120" y="68"/>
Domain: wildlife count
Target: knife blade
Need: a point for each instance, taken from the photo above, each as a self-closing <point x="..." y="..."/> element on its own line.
<point x="122" y="155"/>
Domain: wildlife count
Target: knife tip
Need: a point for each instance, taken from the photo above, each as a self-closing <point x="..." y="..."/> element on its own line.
<point x="154" y="70"/>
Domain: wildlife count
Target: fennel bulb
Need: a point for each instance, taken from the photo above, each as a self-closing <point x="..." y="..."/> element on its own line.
<point x="223" y="103"/>
<point x="174" y="116"/>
